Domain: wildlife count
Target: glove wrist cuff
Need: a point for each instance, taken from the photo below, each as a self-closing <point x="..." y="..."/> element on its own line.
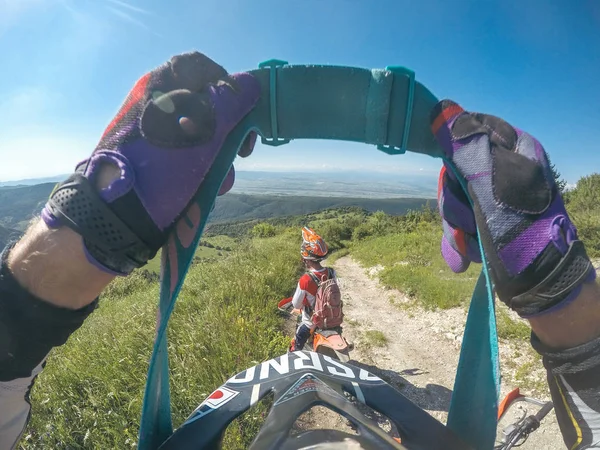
<point x="109" y="241"/>
<point x="561" y="285"/>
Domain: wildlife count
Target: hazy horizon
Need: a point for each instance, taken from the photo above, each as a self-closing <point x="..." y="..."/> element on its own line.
<point x="342" y="183"/>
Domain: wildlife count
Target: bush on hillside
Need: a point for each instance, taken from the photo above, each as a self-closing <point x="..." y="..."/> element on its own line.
<point x="583" y="205"/>
<point x="263" y="230"/>
<point x="335" y="232"/>
<point x="382" y="224"/>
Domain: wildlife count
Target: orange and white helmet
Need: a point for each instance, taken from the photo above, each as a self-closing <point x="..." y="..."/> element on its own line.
<point x="313" y="246"/>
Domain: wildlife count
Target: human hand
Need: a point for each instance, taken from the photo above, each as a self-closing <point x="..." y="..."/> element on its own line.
<point x="152" y="159"/>
<point x="535" y="259"/>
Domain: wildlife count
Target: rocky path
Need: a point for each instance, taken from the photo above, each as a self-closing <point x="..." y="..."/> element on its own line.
<point x="417" y="350"/>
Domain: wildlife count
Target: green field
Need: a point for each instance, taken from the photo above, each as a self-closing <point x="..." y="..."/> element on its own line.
<point x="89" y="396"/>
<point x="220" y="246"/>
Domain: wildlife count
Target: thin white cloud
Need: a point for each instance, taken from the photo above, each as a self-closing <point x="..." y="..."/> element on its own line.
<point x="258" y="163"/>
<point x="127" y="17"/>
<point x="126" y="5"/>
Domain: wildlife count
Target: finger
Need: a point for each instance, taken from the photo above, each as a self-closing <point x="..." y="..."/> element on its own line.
<point x="457" y="262"/>
<point x="227" y="182"/>
<point x="182" y="118"/>
<point x="248" y="145"/>
<point x="192" y="71"/>
<point x="442" y="117"/>
<point x="179" y="118"/>
<point x="525" y="169"/>
<point x="453" y="204"/>
<point x="464" y="243"/>
<point x="501" y="134"/>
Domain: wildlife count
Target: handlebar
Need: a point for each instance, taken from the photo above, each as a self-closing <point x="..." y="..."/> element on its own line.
<point x="517" y="434"/>
<point x="544" y="411"/>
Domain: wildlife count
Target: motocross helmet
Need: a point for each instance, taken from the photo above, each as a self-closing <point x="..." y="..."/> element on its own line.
<point x="298" y="381"/>
<point x="313" y="246"/>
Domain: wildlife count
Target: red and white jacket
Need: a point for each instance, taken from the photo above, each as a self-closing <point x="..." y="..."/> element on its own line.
<point x="305" y="296"/>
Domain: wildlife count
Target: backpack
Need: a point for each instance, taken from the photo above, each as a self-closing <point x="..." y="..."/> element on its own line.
<point x="327" y="312"/>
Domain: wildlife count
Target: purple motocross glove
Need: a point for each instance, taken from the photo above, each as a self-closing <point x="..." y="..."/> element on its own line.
<point x="159" y="147"/>
<point x="535" y="259"/>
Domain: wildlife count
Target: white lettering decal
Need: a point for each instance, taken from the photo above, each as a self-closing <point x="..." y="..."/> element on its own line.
<point x="366" y="376"/>
<point x="281" y="367"/>
<point x="347" y="372"/>
<point x="246" y="377"/>
<point x="299" y="364"/>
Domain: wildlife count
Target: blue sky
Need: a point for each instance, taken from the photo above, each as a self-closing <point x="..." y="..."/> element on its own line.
<point x="67" y="65"/>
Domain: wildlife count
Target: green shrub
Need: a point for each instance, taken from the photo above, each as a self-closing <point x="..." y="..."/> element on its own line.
<point x="334" y="232"/>
<point x="583" y="205"/>
<point x="361" y="232"/>
<point x="263" y="230"/>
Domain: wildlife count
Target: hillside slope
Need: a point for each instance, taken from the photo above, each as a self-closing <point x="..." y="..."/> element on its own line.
<point x="8" y="234"/>
<point x="20" y="203"/>
<point x="90" y="394"/>
<point x="244" y="207"/>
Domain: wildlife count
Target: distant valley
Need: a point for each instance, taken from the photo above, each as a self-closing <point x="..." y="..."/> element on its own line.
<point x="337" y="184"/>
<point x="256" y="195"/>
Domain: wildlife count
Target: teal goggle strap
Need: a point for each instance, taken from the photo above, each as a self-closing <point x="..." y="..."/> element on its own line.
<point x="387" y="108"/>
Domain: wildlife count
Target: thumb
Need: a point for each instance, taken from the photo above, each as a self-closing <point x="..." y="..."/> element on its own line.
<point x="457" y="262"/>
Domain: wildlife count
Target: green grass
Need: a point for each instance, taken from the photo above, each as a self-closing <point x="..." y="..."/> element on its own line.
<point x="206" y="252"/>
<point x="154" y="264"/>
<point x="221" y="241"/>
<point x="413" y="264"/>
<point x="525" y="375"/>
<point x="90" y="394"/>
<point x="509" y="328"/>
<point x="202" y="251"/>
<point x="375" y="338"/>
<point x="331" y="259"/>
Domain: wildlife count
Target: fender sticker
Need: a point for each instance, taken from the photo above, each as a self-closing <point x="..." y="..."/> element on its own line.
<point x="307" y="383"/>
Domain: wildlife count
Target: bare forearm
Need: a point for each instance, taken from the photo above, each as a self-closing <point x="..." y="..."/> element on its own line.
<point x="569" y="342"/>
<point x="572" y="325"/>
<point x="51" y="264"/>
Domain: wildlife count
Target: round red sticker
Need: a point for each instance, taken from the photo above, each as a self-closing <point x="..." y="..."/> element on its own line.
<point x="217" y="394"/>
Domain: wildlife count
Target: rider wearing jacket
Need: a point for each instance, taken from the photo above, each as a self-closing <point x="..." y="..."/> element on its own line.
<point x="313" y="250"/>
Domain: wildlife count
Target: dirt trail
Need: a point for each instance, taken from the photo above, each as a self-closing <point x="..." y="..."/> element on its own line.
<point x="421" y="348"/>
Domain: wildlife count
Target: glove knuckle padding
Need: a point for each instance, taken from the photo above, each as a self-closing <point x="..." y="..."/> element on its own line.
<point x="193" y="71"/>
<point x="160" y="124"/>
<point x="519" y="181"/>
<point x="107" y="231"/>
